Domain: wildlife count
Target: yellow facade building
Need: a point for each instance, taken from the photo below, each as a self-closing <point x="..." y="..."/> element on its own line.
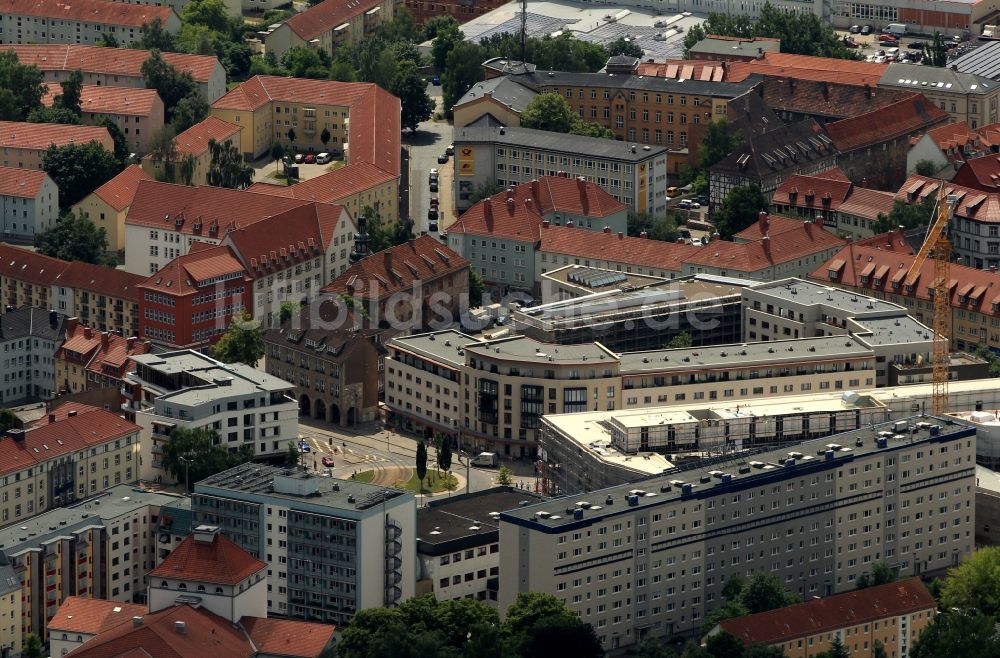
<point x="108" y="205"/>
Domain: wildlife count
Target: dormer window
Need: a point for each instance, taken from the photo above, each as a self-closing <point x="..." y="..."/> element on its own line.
<point x="201" y="588"/>
<point x="182" y="586"/>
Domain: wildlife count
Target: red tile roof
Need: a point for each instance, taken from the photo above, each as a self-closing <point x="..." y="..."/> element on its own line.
<point x="27" y="266"/>
<point x="982" y="173"/>
<point x="825" y="194"/>
<point x="989" y="134"/>
<point x="683" y="69"/>
<point x="819" y="98"/>
<point x="805" y="67"/>
<point x="39" y="136"/>
<point x="971" y="203"/>
<point x="91" y="616"/>
<point x="785" y="246"/>
<point x="323" y="17"/>
<point x="89" y="427"/>
<point x="954" y="139"/>
<point x="81" y="342"/>
<point x="219" y="561"/>
<point x="331" y="187"/>
<point x="194" y="140"/>
<point x="518" y="214"/>
<point x="89" y="11"/>
<point x="120" y="61"/>
<point x="262" y="89"/>
<point x="182" y="275"/>
<point x="120" y="190"/>
<point x="299" y="234"/>
<point x="831" y="613"/>
<point x="284" y="637"/>
<point x="397" y="269"/>
<point x="129" y="101"/>
<point x="580" y="243"/>
<point x="114" y="357"/>
<point x="17" y="182"/>
<point x="903" y="117"/>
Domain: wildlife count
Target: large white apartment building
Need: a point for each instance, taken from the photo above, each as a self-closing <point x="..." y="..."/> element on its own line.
<point x="83" y="21"/>
<point x="652" y="557"/>
<point x="245" y="406"/>
<point x="29" y="203"/>
<point x="333" y="547"/>
<point x="29" y="338"/>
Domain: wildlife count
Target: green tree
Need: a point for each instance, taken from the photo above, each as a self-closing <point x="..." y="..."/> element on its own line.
<point x="210" y="13"/>
<point x="505" y="477"/>
<point x="878" y="650"/>
<point x="483" y="191"/>
<point x="464" y="68"/>
<point x="837" y="648"/>
<point x="624" y="46"/>
<point x="154" y="37"/>
<point x="242" y="342"/>
<point x="192" y="455"/>
<point x="32" y="646"/>
<point x="277" y="153"/>
<point x="79" y="169"/>
<point x="476" y="288"/>
<point x="189" y="110"/>
<point x="171" y="84"/>
<point x="549" y="111"/>
<point x="540" y="625"/>
<point x="107" y="41"/>
<point x="185" y="169"/>
<point x="444" y="453"/>
<point x="764" y="592"/>
<point x="7" y="420"/>
<point x="410" y="88"/>
<point x="121" y="152"/>
<point x="591" y="130"/>
<point x="434" y="24"/>
<point x="286" y="311"/>
<point x="683" y="339"/>
<point x="762" y="651"/>
<point x="735" y="585"/>
<point x="693" y="36"/>
<point x="421" y="460"/>
<point x="54" y="114"/>
<point x="291" y="137"/>
<point x="651" y="647"/>
<point x="740" y="209"/>
<point x="448" y="36"/>
<point x="975" y="583"/>
<point x="719" y="141"/>
<point x="301" y="62"/>
<point x="72" y="92"/>
<point x="936" y="54"/>
<point x="724" y="645"/>
<point x="325" y="137"/>
<point x="163" y="151"/>
<point x="227" y="168"/>
<point x="962" y="633"/>
<point x="906" y="215"/>
<point x="401" y="28"/>
<point x="74" y="238"/>
<point x="727" y="610"/>
<point x="292" y="455"/>
<point x="926" y="168"/>
<point x="21" y="87"/>
<point x="342" y="71"/>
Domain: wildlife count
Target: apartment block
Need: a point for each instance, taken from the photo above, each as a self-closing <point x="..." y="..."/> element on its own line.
<point x="652" y="558"/>
<point x="31" y="21"/>
<point x="830" y="201"/>
<point x="10" y="607"/>
<point x="80" y="620"/>
<point x="30" y="338"/>
<point x="965" y="96"/>
<point x="29" y="204"/>
<point x="91" y="359"/>
<point x="194" y="142"/>
<point x="123" y="69"/>
<point x="328" y="27"/>
<point x="487" y="152"/>
<point x="24" y="144"/>
<point x="137" y="112"/>
<point x="334" y="547"/>
<point x="108" y="205"/>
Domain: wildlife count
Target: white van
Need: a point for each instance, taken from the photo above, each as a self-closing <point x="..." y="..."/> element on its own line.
<point x="899" y="29"/>
<point x="486" y="459"/>
<point x="323" y="158"/>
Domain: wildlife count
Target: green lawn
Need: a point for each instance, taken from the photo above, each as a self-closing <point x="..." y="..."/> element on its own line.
<point x="363" y="476"/>
<point x="438" y="483"/>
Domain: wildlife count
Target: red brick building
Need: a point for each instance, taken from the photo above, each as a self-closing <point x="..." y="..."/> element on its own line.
<point x="461" y="10"/>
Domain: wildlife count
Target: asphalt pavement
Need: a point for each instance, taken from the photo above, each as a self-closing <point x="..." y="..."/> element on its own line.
<point x="430" y="141"/>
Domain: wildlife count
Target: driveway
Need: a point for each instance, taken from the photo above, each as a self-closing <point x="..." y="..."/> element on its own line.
<point x="424" y="146"/>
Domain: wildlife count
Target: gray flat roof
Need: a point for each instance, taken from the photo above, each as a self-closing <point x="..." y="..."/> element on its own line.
<point x="598" y="274"/>
<point x="467" y="516"/>
<point x="729" y="47"/>
<point x="575" y="145"/>
<point x="437" y="345"/>
<point x="801" y="291"/>
<point x="503" y="90"/>
<point x="41" y="529"/>
<point x="984" y="61"/>
<point x="932" y="78"/>
<point x="891" y="331"/>
<point x="524" y="348"/>
<point x="123" y="498"/>
<point x="661" y="488"/>
<point x="334" y="493"/>
<point x="745" y="355"/>
<point x="242" y="379"/>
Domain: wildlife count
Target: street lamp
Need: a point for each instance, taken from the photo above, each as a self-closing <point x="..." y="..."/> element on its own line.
<point x="187" y="461"/>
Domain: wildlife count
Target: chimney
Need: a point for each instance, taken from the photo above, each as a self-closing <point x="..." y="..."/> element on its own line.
<point x="180" y="627"/>
<point x="88" y="332"/>
<point x="71" y="324"/>
<point x="570" y="224"/>
<point x="621" y="235"/>
<point x="819" y="220"/>
<point x="644" y="235"/>
<point x="488" y="210"/>
<point x="868" y="90"/>
<point x="545" y="223"/>
<point x="607" y="229"/>
<point x="793" y="194"/>
<point x="52" y="418"/>
<point x="810" y="196"/>
<point x="136" y="621"/>
<point x="53" y="317"/>
<point x="765" y="242"/>
<point x="534" y="189"/>
<point x="954" y="67"/>
<point x="205" y="534"/>
<point x="16" y="434"/>
<point x="130" y="342"/>
<point x="510" y="193"/>
<point x="827" y="199"/>
<point x="582" y="184"/>
<point x="105" y="339"/>
<point x="71" y="414"/>
<point x="762" y="221"/>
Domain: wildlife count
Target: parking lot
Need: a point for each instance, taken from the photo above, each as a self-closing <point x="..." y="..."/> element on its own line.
<point x="869" y="45"/>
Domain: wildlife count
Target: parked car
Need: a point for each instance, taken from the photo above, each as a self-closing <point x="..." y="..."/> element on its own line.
<point x="684" y="205"/>
<point x="867" y="29"/>
<point x="702" y="199"/>
<point x="432" y="227"/>
<point x="695" y="205"/>
<point x="855" y="29"/>
<point x="298" y="158"/>
<point x="432" y="214"/>
<point x="323" y="158"/>
<point x="851" y="43"/>
<point x="915" y="45"/>
<point x="450" y="150"/>
<point x="434" y="186"/>
<point x="436" y="80"/>
<point x="432" y="175"/>
<point x="309" y="159"/>
<point x="443" y="158"/>
<point x="328" y="461"/>
<point x="887" y="40"/>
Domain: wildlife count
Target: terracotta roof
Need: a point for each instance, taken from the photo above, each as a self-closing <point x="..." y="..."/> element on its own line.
<point x="80" y="340"/>
<point x="954" y="139"/>
<point x="101" y="280"/>
<point x="775" y="224"/>
<point x="324" y="17"/>
<point x="518" y="214"/>
<point x="28" y="266"/>
<point x="785" y="246"/>
<point x="825" y="194"/>
<point x="820" y="98"/>
<point x="91" y="616"/>
<point x="120" y="190"/>
<point x="89" y="427"/>
<point x="89" y="11"/>
<point x="982" y="173"/>
<point x="182" y="275"/>
<point x="598" y="245"/>
<point x="288" y="238"/>
<point x="130" y="101"/>
<point x="39" y="136"/>
<point x="805" y="67"/>
<point x="375" y="115"/>
<point x="18" y="182"/>
<point x="900" y="118"/>
<point x="989" y="134"/>
<point x="114" y="356"/>
<point x="891" y="252"/>
<point x="194" y="140"/>
<point x="162" y="205"/>
<point x="831" y="613"/>
<point x="285" y="637"/>
<point x="331" y="187"/>
<point x="120" y="61"/>
<point x="971" y="203"/>
<point x="219" y="561"/>
<point x="397" y="269"/>
<point x="683" y="69"/>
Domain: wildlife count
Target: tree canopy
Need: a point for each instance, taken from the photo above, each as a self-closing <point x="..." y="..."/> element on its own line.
<point x="79" y="169"/>
<point x="227" y="168"/>
<point x="975" y="584"/>
<point x="624" y="46"/>
<point x="242" y="342"/>
<point x="410" y="88"/>
<point x="463" y="69"/>
<point x="719" y="141"/>
<point x="75" y="238"/>
<point x="172" y="85"/>
<point x="906" y="215"/>
<point x="740" y="209"/>
<point x="958" y="633"/>
<point x="21" y="88"/>
<point x="196" y="454"/>
<point x="550" y="111"/>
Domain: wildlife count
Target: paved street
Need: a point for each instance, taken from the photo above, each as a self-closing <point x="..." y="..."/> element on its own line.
<point x="425" y="146"/>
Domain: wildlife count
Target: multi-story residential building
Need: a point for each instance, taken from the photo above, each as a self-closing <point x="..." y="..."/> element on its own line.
<point x="30" y="337"/>
<point x="103" y="298"/>
<point x="892" y="615"/>
<point x="948" y="147"/>
<point x="80" y="620"/>
<point x="796" y="309"/>
<point x="965" y="96"/>
<point x="499" y="97"/>
<point x="194" y="142"/>
<point x="137" y="112"/>
<point x="879" y="270"/>
<point x="794" y="70"/>
<point x="28" y="21"/>
<point x="108" y="205"/>
<point x="487" y="152"/>
<point x="415" y="285"/>
<point x="336" y="371"/>
<point x="190" y="390"/>
<point x="10" y="608"/>
<point x="831" y="201"/>
<point x="659" y="552"/>
<point x="118" y="68"/>
<point x="458" y="544"/>
<point x="978" y="173"/>
<point x="810" y="94"/>
<point x="499" y="235"/>
<point x="29" y="204"/>
<point x="91" y="359"/>
<point x="460" y="11"/>
<point x="291" y="519"/>
<point x="329" y="27"/>
<point x="24" y="144"/>
<point x="363" y="119"/>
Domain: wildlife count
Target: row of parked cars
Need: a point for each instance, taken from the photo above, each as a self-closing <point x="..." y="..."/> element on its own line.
<point x="309" y="158"/>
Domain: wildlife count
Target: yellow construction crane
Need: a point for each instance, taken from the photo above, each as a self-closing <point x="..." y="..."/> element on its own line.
<point x="937" y="246"/>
